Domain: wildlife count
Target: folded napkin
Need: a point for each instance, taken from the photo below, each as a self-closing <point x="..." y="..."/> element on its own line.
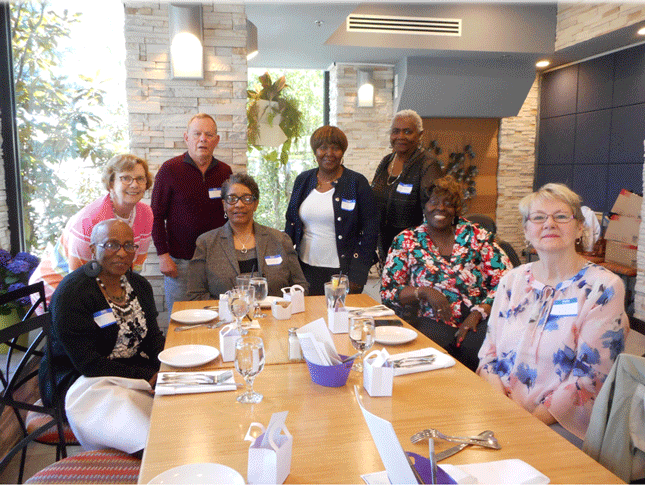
<point x="372" y="311"/>
<point x="502" y="471"/>
<point x="167" y="389"/>
<point x="441" y="360"/>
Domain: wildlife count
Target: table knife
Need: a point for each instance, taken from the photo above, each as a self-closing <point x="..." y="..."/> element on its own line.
<point x="450" y="451"/>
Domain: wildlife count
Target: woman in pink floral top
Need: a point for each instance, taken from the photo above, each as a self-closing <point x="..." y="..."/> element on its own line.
<point x="450" y="268"/>
<point x="557" y="324"/>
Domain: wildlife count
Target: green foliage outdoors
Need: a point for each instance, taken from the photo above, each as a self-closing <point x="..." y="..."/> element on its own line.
<point x="61" y="120"/>
<point x="274" y="178"/>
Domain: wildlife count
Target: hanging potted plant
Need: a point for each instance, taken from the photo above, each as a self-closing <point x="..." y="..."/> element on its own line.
<point x="274" y="119"/>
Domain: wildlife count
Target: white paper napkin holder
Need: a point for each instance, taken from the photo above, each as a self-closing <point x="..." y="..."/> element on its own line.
<point x="338" y="320"/>
<point x="227" y="337"/>
<point x="224" y="311"/>
<point x="378" y="375"/>
<point x="296" y="295"/>
<point x="270" y="453"/>
<point x="279" y="311"/>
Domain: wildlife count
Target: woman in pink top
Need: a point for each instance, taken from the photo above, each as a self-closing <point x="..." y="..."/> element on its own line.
<point x="557" y="324"/>
<point x="126" y="178"/>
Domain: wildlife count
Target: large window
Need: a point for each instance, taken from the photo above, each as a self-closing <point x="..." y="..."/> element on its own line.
<point x="275" y="179"/>
<point x="69" y="82"/>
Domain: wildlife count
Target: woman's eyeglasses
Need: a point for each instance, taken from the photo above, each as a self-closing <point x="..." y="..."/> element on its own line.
<point x="127" y="180"/>
<point x="246" y="199"/>
<point x="558" y="218"/>
<point x="113" y="247"/>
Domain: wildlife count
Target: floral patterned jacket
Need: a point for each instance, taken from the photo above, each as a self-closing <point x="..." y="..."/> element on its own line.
<point x="555" y="346"/>
<point x="470" y="277"/>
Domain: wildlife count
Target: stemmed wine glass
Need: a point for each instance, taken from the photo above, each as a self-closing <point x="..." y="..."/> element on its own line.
<point x="361" y="334"/>
<point x="239" y="301"/>
<point x="249" y="362"/>
<point x="261" y="287"/>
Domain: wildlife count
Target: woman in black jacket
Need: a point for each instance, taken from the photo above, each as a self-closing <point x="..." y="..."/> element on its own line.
<point x="399" y="177"/>
<point x="331" y="217"/>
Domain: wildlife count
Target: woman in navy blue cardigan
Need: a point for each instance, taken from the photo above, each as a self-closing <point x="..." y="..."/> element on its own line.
<point x="331" y="218"/>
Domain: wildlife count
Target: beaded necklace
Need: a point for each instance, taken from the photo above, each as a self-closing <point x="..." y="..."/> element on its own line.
<point x="119" y="300"/>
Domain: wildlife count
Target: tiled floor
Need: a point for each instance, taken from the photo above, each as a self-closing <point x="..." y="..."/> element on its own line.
<point x="39" y="456"/>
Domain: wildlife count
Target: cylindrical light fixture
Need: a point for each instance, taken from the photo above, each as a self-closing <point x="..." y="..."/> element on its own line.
<point x="186" y="43"/>
<point x="251" y="40"/>
<point x="365" y="89"/>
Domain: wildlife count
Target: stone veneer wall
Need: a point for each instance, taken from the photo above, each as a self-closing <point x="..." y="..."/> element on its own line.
<point x="367" y="129"/>
<point x="159" y="107"/>
<point x="5" y="233"/>
<point x="577" y="22"/>
<point x="516" y="168"/>
<point x="639" y="286"/>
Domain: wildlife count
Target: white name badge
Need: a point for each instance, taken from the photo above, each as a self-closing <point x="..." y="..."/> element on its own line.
<point x="348" y="205"/>
<point x="565" y="308"/>
<point x="404" y="189"/>
<point x="215" y="193"/>
<point x="104" y="318"/>
<point x="273" y="260"/>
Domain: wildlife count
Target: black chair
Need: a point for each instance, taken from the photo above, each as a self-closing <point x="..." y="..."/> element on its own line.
<point x="21" y="367"/>
<point x="489" y="224"/>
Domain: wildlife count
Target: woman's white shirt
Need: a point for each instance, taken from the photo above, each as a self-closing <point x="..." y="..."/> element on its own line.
<point x="318" y="246"/>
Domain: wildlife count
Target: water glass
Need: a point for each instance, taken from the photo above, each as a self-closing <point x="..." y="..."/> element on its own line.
<point x="335" y="294"/>
<point x="243" y="279"/>
<point x="341" y="279"/>
<point x="261" y="292"/>
<point x="361" y="334"/>
<point x="249" y="362"/>
<point x="240" y="300"/>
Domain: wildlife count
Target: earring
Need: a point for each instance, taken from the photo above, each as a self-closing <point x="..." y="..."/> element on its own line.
<point x="92" y="268"/>
<point x="225" y="215"/>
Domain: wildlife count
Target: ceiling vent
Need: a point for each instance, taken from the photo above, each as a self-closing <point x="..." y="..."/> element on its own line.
<point x="403" y="25"/>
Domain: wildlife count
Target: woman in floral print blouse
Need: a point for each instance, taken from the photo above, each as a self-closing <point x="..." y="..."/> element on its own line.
<point x="557" y="324"/>
<point x="450" y="268"/>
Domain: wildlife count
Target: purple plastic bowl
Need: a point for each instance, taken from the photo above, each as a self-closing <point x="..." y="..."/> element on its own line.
<point x="330" y="375"/>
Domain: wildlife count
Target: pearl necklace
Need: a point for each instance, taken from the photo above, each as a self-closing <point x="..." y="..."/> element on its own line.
<point x="129" y="220"/>
<point x="116" y="299"/>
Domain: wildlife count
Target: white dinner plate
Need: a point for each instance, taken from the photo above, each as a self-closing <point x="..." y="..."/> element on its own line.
<point x="200" y="473"/>
<point x="268" y="301"/>
<point x="192" y="317"/>
<point x="394" y="335"/>
<point x="188" y="355"/>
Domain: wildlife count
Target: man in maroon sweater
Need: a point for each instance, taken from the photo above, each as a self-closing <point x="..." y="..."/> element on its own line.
<point x="186" y="202"/>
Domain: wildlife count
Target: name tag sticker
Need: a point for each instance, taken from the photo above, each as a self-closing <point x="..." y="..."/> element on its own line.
<point x="104" y="318"/>
<point x="565" y="308"/>
<point x="348" y="205"/>
<point x="273" y="260"/>
<point x="215" y="193"/>
<point x="404" y="189"/>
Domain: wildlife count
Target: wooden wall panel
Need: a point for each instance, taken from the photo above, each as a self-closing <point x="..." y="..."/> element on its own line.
<point x="452" y="134"/>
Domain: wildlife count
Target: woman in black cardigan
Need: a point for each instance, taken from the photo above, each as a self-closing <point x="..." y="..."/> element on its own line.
<point x="331" y="217"/>
<point x="104" y="317"/>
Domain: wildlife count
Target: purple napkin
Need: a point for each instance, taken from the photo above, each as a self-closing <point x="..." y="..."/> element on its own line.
<point x="424" y="469"/>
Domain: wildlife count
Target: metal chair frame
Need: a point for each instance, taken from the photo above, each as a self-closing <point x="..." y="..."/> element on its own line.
<point x="27" y="369"/>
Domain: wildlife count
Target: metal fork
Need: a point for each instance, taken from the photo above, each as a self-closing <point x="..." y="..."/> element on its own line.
<point x="486" y="442"/>
<point x="412" y="361"/>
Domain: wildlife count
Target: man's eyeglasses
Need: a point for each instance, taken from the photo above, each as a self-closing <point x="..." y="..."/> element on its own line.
<point x="246" y="199"/>
<point x="113" y="247"/>
<point x="127" y="180"/>
<point x="558" y="218"/>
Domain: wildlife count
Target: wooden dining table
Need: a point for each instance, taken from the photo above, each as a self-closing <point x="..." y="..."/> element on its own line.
<point x="331" y="440"/>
